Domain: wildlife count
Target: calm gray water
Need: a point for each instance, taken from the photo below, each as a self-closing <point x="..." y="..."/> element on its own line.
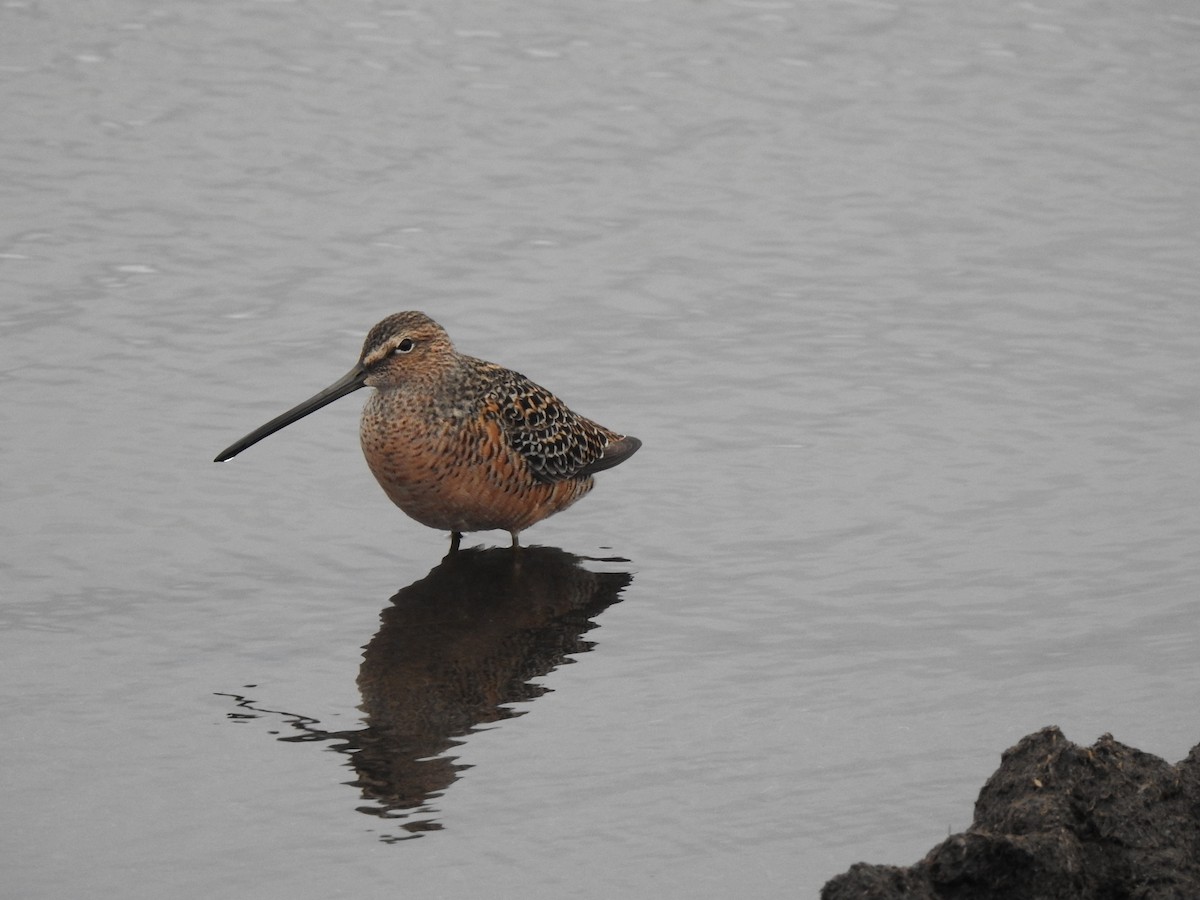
<point x="900" y="297"/>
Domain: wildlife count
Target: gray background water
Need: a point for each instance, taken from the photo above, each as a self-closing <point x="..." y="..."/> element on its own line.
<point x="900" y="297"/>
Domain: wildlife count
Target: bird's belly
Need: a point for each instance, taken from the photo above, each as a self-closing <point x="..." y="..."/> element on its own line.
<point x="455" y="480"/>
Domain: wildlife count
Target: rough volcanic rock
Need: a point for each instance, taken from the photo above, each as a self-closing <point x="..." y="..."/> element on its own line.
<point x="1060" y="822"/>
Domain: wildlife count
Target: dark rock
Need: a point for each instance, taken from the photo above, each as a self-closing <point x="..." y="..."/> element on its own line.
<point x="1060" y="822"/>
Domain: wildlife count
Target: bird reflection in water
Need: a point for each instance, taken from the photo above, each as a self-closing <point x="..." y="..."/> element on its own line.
<point x="453" y="650"/>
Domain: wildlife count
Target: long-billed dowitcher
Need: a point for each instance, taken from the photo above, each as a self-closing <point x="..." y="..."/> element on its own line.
<point x="457" y="443"/>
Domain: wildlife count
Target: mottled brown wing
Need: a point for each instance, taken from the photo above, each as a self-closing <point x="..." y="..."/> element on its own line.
<point x="555" y="442"/>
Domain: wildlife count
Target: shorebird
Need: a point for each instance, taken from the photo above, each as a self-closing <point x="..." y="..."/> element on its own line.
<point x="461" y="444"/>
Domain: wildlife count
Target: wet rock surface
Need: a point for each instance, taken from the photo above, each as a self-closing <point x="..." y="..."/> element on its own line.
<point x="1060" y="822"/>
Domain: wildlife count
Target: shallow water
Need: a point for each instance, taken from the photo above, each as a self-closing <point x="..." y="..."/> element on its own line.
<point x="901" y="300"/>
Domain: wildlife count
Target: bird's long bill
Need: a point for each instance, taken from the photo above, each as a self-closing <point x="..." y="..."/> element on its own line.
<point x="347" y="384"/>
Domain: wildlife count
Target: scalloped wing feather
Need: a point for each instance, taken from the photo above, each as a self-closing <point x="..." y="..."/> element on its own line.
<point x="555" y="442"/>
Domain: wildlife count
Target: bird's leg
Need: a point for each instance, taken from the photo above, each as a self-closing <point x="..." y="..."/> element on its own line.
<point x="516" y="542"/>
<point x="455" y="540"/>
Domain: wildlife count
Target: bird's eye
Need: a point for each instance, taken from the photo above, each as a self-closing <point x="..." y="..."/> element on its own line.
<point x="405" y="346"/>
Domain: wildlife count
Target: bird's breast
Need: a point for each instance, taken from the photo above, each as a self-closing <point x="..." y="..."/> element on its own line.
<point x="452" y="468"/>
